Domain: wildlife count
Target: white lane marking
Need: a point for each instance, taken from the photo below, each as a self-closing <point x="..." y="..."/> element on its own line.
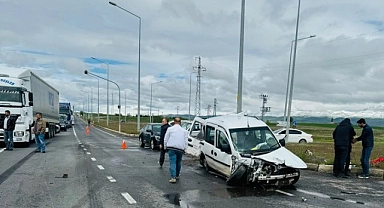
<point x="85" y="149"/>
<point x="82" y="146"/>
<point x="100" y="167"/>
<point x="111" y="179"/>
<point x="2" y="150"/>
<point x="93" y="159"/>
<point x="88" y="153"/>
<point x="283" y="192"/>
<point x="128" y="198"/>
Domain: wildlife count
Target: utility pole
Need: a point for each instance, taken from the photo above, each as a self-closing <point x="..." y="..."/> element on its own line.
<point x="208" y="110"/>
<point x="177" y="111"/>
<point x="198" y="84"/>
<point x="214" y="106"/>
<point x="264" y="109"/>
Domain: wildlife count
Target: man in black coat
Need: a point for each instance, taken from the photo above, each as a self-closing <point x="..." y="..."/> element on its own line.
<point x="8" y="123"/>
<point x="342" y="139"/>
<point x="164" y="127"/>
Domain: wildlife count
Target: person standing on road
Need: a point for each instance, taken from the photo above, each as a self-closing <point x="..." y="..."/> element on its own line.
<point x="164" y="127"/>
<point x="8" y="124"/>
<point x="347" y="171"/>
<point x="367" y="140"/>
<point x="39" y="131"/>
<point x="175" y="142"/>
<point x="342" y="139"/>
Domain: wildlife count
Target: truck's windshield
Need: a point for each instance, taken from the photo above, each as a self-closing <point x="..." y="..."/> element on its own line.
<point x="9" y="94"/>
<point x="257" y="139"/>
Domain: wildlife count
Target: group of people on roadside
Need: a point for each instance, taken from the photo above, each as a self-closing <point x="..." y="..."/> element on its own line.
<point x="8" y="124"/>
<point x="174" y="140"/>
<point x="344" y="137"/>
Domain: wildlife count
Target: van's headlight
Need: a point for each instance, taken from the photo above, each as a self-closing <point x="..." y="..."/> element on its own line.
<point x="18" y="133"/>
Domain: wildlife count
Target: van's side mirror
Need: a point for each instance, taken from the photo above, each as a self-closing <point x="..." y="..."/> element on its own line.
<point x="149" y="130"/>
<point x="282" y="142"/>
<point x="226" y="148"/>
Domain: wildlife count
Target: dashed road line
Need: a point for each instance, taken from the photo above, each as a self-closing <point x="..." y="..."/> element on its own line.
<point x="111" y="179"/>
<point x="100" y="167"/>
<point x="93" y="159"/>
<point x="85" y="149"/>
<point x="2" y="150"/>
<point x="128" y="198"/>
<point x="88" y="153"/>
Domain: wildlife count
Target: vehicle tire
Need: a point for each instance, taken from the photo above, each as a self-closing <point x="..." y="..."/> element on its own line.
<point x="296" y="178"/>
<point x="26" y="144"/>
<point x="201" y="160"/>
<point x="142" y="144"/>
<point x="302" y="141"/>
<point x="236" y="178"/>
<point x="207" y="168"/>
<point x="153" y="144"/>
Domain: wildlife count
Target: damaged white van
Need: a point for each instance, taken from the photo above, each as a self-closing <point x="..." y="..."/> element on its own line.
<point x="245" y="151"/>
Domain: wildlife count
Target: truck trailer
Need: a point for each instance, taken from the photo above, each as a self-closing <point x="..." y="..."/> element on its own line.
<point x="24" y="94"/>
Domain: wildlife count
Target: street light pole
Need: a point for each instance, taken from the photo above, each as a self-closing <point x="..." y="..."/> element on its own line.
<point x="150" y="105"/>
<point x="138" y="73"/>
<point x="292" y="75"/>
<point x="190" y="91"/>
<point x="119" y="106"/>
<point x="289" y="75"/>
<point x="98" y="99"/>
<point x="241" y="52"/>
<point x="107" y="87"/>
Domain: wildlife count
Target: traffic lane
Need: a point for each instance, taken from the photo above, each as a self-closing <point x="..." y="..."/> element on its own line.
<point x="13" y="159"/>
<point x="137" y="167"/>
<point x="40" y="181"/>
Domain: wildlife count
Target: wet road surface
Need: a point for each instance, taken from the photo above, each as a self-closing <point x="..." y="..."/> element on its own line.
<point x="81" y="170"/>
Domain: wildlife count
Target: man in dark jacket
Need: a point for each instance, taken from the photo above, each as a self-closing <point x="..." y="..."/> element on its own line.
<point x="8" y="123"/>
<point x="342" y="139"/>
<point x="367" y="140"/>
<point x="164" y="127"/>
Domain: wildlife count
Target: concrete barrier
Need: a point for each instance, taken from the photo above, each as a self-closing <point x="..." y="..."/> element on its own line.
<point x="312" y="166"/>
<point x="325" y="168"/>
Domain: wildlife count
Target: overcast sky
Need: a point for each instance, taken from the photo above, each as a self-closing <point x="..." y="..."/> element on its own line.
<point x="341" y="69"/>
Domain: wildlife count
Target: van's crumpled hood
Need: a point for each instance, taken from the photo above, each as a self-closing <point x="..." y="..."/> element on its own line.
<point x="283" y="156"/>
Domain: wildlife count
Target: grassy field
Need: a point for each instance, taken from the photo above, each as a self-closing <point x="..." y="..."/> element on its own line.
<point x="322" y="147"/>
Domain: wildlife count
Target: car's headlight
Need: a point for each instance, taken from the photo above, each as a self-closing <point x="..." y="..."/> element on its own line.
<point x="18" y="133"/>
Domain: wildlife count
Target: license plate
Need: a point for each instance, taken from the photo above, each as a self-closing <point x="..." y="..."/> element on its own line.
<point x="19" y="139"/>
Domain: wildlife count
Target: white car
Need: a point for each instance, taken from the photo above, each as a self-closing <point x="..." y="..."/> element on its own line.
<point x="244" y="150"/>
<point x="295" y="135"/>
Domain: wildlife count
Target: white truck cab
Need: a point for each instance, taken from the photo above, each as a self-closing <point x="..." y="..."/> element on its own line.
<point x="244" y="150"/>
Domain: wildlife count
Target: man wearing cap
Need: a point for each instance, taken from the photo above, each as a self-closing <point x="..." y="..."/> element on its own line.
<point x="367" y="141"/>
<point x="8" y="124"/>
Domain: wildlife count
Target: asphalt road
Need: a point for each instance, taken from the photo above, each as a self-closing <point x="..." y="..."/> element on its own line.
<point x="101" y="174"/>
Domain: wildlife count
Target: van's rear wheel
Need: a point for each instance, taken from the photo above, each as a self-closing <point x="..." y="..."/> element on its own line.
<point x="207" y="168"/>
